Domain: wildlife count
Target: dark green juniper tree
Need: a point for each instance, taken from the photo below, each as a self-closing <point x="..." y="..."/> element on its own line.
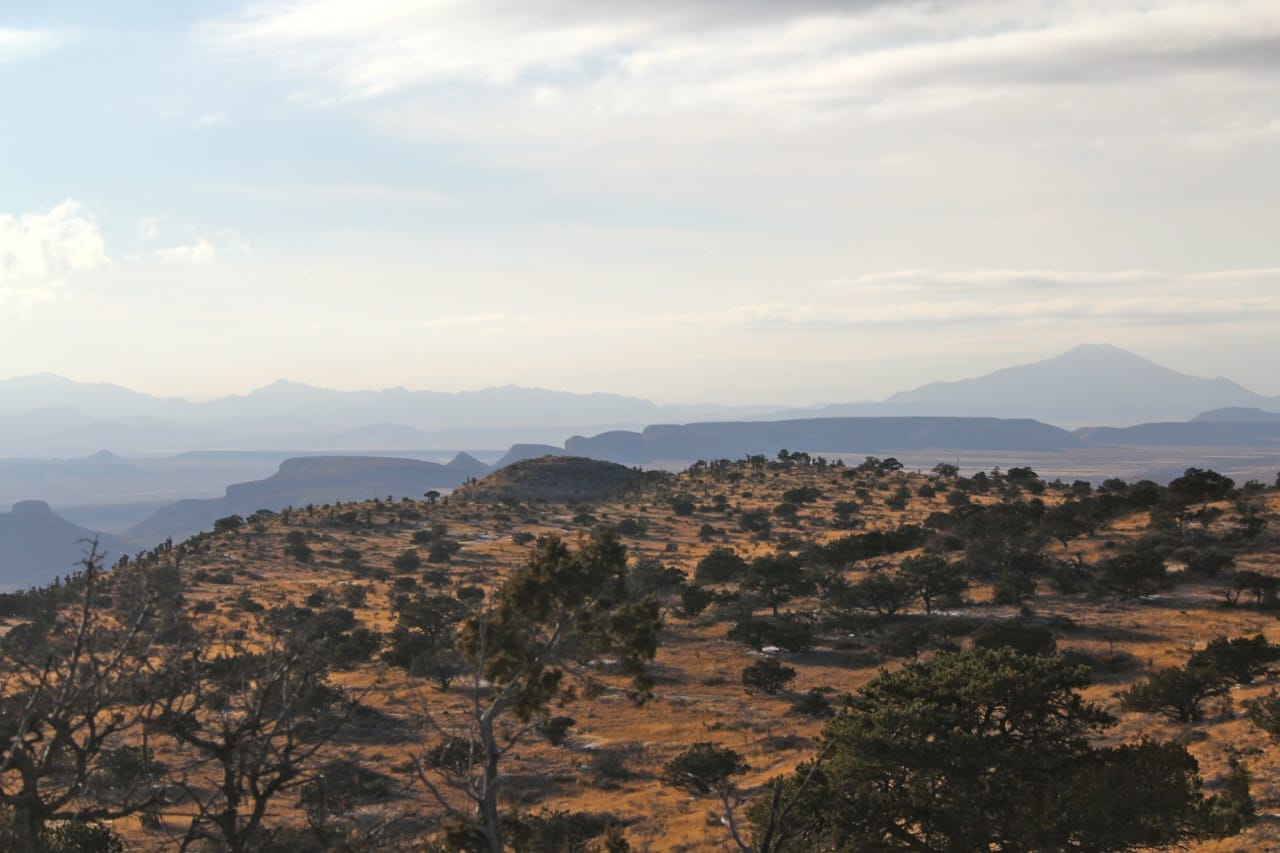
<point x="982" y="750"/>
<point x="548" y="632"/>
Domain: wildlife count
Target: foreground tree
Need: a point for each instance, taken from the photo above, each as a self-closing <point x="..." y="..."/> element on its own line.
<point x="546" y="636"/>
<point x="74" y="681"/>
<point x="984" y="750"/>
<point x="252" y="722"/>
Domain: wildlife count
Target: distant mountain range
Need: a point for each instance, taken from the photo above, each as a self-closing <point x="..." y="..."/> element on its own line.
<point x="46" y="415"/>
<point x="1090" y="385"/>
<point x="1117" y="400"/>
<point x="1186" y="434"/>
<point x="1237" y="415"/>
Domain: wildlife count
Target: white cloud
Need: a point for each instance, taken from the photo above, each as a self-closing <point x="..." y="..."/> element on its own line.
<point x="900" y="281"/>
<point x="148" y="227"/>
<point x="1269" y="276"/>
<point x="793" y="58"/>
<point x="212" y="119"/>
<point x="1072" y="302"/>
<point x="494" y="323"/>
<point x="23" y="44"/>
<point x="40" y="249"/>
<point x="197" y="254"/>
<point x="915" y="116"/>
<point x="1001" y="298"/>
<point x="380" y="47"/>
<point x="339" y="193"/>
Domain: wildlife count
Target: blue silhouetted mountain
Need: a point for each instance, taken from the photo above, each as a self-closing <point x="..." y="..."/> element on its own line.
<point x="93" y="399"/>
<point x="295" y="402"/>
<point x="1092" y="384"/>
<point x="521" y="452"/>
<point x="466" y="465"/>
<point x="36" y="546"/>
<point x="1237" y="415"/>
<point x="1256" y="434"/>
<point x="625" y="446"/>
<point x="47" y="415"/>
<point x="733" y="440"/>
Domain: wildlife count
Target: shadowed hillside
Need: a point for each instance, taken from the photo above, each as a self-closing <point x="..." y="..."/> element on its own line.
<point x="557" y="479"/>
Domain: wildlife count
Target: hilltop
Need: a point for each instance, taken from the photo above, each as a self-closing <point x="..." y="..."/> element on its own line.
<point x="556" y="479"/>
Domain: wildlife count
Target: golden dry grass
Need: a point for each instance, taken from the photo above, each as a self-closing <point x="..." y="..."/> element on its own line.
<point x="614" y="754"/>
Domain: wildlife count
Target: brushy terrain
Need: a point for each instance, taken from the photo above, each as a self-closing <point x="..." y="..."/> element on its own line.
<point x="819" y="567"/>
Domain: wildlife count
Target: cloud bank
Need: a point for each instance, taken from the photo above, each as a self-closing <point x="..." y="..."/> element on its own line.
<point x="40" y="249"/>
<point x="802" y="57"/>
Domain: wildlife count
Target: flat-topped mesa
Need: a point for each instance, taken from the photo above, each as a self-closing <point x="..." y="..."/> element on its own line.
<point x="33" y="509"/>
<point x="520" y="452"/>
<point x="735" y="439"/>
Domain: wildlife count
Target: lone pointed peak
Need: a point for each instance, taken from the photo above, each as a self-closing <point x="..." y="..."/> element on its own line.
<point x="1098" y="352"/>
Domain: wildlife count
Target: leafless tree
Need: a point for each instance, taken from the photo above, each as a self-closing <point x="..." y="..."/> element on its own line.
<point x="77" y="686"/>
<point x="253" y="720"/>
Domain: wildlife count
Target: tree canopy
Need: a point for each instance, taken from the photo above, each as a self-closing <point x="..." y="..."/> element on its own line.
<point x="982" y="750"/>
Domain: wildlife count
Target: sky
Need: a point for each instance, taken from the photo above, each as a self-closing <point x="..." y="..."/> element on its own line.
<point x="692" y="201"/>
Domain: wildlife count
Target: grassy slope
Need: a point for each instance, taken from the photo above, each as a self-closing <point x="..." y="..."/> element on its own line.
<point x="613" y="756"/>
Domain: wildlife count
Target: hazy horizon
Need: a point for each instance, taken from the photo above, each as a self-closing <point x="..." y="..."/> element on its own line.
<point x="744" y="404"/>
<point x="739" y="203"/>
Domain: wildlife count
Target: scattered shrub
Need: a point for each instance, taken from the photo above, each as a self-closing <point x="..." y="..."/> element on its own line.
<point x="768" y="675"/>
<point x="704" y="767"/>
